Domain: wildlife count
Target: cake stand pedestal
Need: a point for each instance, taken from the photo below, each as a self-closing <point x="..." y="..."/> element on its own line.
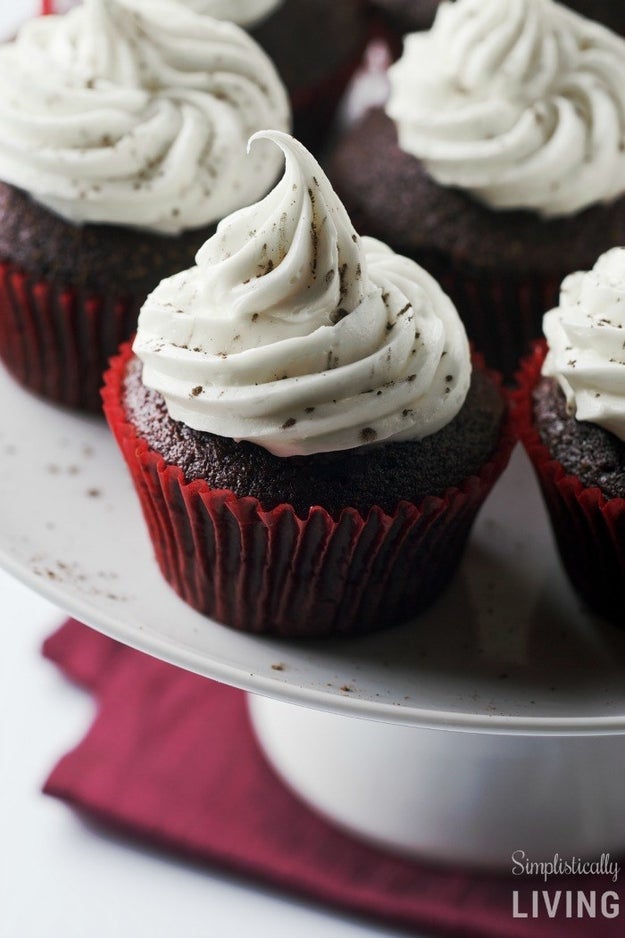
<point x="493" y="724"/>
<point x="465" y="798"/>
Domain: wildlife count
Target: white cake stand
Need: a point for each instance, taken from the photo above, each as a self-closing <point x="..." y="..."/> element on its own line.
<point x="494" y="723"/>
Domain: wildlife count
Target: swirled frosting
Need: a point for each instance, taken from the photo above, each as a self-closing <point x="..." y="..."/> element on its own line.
<point x="295" y="334"/>
<point x="137" y="112"/>
<point x="519" y="102"/>
<point x="586" y="339"/>
<point x="242" y="12"/>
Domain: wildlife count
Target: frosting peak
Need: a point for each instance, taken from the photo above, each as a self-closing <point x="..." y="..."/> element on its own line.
<point x="294" y="256"/>
<point x="294" y="333"/>
<point x="137" y="112"/>
<point x="520" y="102"/>
<point x="586" y="338"/>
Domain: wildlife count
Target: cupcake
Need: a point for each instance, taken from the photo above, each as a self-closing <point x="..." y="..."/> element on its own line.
<point x="407" y="16"/>
<point x="315" y="45"/>
<point x="122" y="143"/>
<point x="570" y="411"/>
<point x="499" y="161"/>
<point x="302" y="422"/>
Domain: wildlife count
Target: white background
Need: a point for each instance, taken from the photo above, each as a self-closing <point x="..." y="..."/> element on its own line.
<point x="60" y="878"/>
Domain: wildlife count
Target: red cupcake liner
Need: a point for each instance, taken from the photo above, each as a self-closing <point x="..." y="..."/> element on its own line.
<point x="502" y="313"/>
<point x="56" y="339"/>
<point x="275" y="572"/>
<point x="589" y="527"/>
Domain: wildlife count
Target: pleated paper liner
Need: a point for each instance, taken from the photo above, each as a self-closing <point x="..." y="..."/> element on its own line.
<point x="56" y="340"/>
<point x="275" y="572"/>
<point x="589" y="528"/>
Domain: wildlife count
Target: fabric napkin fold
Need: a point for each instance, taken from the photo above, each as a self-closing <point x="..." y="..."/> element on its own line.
<point x="171" y="758"/>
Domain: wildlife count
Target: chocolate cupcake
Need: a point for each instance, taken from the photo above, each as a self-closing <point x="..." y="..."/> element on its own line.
<point x="122" y="145"/>
<point x="302" y="423"/>
<point x="503" y="148"/>
<point x="570" y="411"/>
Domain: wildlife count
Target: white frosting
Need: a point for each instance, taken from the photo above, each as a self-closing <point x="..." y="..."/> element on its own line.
<point x="293" y="333"/>
<point x="586" y="338"/>
<point x="137" y="112"/>
<point x="242" y="12"/>
<point x="520" y="102"/>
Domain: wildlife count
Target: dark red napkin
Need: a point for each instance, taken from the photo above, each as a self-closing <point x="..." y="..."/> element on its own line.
<point x="171" y="758"/>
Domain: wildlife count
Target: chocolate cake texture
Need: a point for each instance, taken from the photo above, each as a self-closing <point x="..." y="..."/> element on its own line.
<point x="361" y="478"/>
<point x="111" y="258"/>
<point x="585" y="450"/>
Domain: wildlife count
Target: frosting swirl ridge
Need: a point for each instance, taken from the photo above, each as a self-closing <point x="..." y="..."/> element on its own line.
<point x="586" y="338"/>
<point x="519" y="102"/>
<point x="137" y="112"/>
<point x="293" y="333"/>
